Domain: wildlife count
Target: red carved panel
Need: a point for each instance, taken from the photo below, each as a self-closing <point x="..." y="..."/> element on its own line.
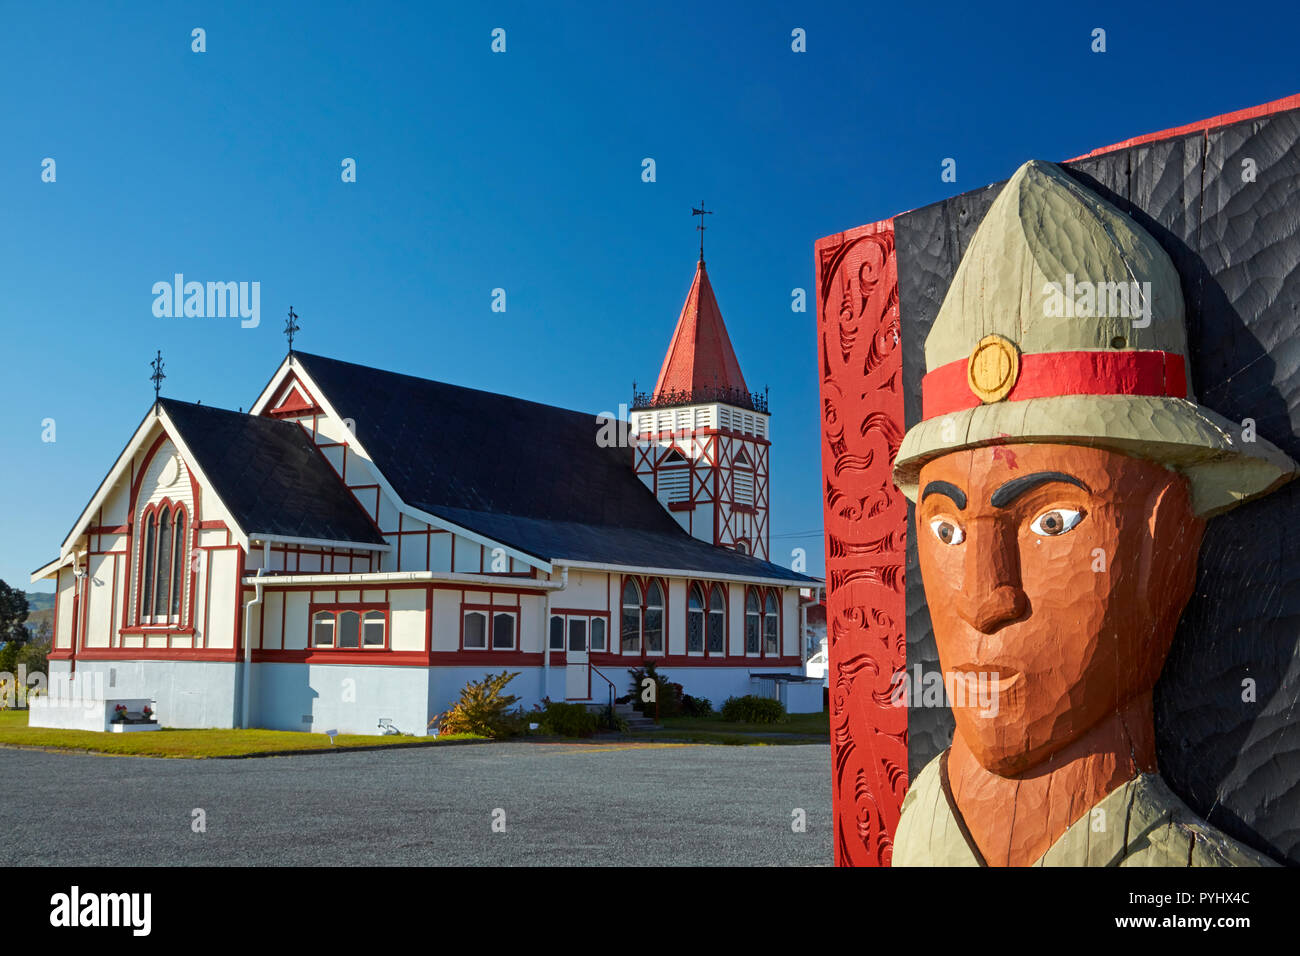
<point x="860" y="366"/>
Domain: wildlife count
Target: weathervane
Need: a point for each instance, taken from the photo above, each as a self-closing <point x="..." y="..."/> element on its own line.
<point x="701" y="212"/>
<point x="157" y="376"/>
<point x="291" y="326"/>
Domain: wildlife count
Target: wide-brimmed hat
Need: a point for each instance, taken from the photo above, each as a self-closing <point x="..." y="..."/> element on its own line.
<point x="1064" y="324"/>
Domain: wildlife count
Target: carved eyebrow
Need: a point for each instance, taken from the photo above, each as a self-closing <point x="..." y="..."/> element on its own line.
<point x="946" y="488"/>
<point x="1016" y="487"/>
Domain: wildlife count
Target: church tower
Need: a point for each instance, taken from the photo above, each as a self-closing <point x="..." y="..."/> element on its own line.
<point x="702" y="436"/>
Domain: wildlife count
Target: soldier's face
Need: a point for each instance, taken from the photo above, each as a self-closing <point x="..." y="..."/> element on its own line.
<point x="1055" y="576"/>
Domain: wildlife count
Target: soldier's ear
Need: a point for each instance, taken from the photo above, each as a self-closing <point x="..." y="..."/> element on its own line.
<point x="1172" y="546"/>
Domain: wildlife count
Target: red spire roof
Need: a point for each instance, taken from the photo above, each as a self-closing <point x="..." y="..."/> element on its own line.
<point x="700" y="357"/>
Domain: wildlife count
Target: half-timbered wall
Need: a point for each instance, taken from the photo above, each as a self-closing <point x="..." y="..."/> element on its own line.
<point x="708" y="465"/>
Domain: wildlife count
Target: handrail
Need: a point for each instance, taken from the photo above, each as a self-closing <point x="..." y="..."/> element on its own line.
<point x="593" y="667"/>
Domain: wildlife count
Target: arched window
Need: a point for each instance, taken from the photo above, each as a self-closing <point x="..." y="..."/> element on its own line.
<point x="717" y="622"/>
<point x="654" y="619"/>
<point x="162" y="564"/>
<point x="178" y="566"/>
<point x="475" y="631"/>
<point x="322" y="629"/>
<point x="349" y="628"/>
<point x="631" y="643"/>
<point x="162" y="580"/>
<point x="148" y="558"/>
<point x="503" y="631"/>
<point x="695" y="620"/>
<point x="753" y="623"/>
<point x="771" y="627"/>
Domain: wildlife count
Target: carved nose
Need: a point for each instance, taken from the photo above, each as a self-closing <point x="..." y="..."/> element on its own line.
<point x="991" y="595"/>
<point x="995" y="608"/>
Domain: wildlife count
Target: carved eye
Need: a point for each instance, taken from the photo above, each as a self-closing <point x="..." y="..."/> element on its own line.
<point x="1054" y="522"/>
<point x="946" y="531"/>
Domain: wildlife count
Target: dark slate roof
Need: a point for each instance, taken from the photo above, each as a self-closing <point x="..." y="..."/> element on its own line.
<point x="270" y="475"/>
<point x="530" y="476"/>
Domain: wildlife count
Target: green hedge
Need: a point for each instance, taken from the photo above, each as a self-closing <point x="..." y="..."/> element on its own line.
<point x="753" y="710"/>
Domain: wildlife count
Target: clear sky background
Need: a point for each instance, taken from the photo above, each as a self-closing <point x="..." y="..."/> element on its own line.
<point x="519" y="170"/>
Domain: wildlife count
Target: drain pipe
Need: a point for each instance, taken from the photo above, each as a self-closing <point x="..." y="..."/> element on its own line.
<point x="546" y="632"/>
<point x="246" y="695"/>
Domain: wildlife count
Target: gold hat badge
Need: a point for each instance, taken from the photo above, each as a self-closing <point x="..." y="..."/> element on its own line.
<point x="993" y="367"/>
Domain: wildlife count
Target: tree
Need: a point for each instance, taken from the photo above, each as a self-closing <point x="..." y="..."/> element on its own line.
<point x="13" y="614"/>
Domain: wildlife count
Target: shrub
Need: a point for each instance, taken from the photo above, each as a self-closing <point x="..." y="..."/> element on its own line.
<point x="667" y="693"/>
<point x="484" y="709"/>
<point x="609" y="720"/>
<point x="567" y="720"/>
<point x="696" y="706"/>
<point x="753" y="710"/>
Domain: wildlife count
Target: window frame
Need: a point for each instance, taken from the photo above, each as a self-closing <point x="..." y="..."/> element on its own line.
<point x="642" y="585"/>
<point x="721" y="590"/>
<point x="754" y="608"/>
<point x="337" y="609"/>
<point x="491" y="611"/>
<point x="772" y="612"/>
<point x="153" y="576"/>
<point x="693" y="590"/>
<point x="636" y="608"/>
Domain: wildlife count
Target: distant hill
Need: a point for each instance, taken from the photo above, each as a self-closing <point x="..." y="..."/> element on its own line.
<point x="39" y="600"/>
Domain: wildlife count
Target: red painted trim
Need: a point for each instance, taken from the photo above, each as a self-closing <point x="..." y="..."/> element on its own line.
<point x="492" y="610"/>
<point x="361" y="608"/>
<point x="1048" y="374"/>
<point x="324" y="655"/>
<point x="157" y="654"/>
<point x="1224" y="119"/>
<point x="157" y="631"/>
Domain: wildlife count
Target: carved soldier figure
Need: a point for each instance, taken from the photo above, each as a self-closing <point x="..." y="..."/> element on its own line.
<point x="1062" y="474"/>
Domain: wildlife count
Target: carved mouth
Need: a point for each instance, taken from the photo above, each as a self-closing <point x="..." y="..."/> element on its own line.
<point x="995" y="689"/>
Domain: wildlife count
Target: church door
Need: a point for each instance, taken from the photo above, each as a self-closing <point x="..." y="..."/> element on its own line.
<point x="577" y="676"/>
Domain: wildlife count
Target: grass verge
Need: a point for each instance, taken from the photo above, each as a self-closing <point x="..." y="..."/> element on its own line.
<point x="14" y="732"/>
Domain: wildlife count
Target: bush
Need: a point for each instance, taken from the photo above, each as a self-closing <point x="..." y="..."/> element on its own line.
<point x="667" y="693"/>
<point x="484" y="709"/>
<point x="567" y="720"/>
<point x="609" y="720"/>
<point x="753" y="710"/>
<point x="696" y="706"/>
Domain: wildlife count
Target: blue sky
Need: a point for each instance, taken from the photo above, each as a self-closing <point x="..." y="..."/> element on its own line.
<point x="519" y="170"/>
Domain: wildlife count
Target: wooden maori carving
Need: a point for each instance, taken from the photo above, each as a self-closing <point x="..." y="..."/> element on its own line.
<point x="860" y="365"/>
<point x="1063" y="473"/>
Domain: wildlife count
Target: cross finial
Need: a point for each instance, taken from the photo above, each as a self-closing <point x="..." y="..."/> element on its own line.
<point x="290" y="327"/>
<point x="701" y="212"/>
<point x="157" y="376"/>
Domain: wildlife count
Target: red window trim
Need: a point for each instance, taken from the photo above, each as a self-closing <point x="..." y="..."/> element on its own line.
<point x="564" y="614"/>
<point x="706" y="588"/>
<point x="492" y="610"/>
<point x="185" y="619"/>
<point x="763" y="593"/>
<point x="642" y="583"/>
<point x="362" y="608"/>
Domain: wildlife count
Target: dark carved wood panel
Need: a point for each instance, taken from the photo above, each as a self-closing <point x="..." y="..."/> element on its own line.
<point x="860" y="367"/>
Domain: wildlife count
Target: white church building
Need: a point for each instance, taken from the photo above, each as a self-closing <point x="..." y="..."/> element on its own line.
<point x="360" y="544"/>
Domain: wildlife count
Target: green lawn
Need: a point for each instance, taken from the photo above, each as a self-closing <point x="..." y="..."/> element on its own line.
<point x="716" y="730"/>
<point x="14" y="732"/>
